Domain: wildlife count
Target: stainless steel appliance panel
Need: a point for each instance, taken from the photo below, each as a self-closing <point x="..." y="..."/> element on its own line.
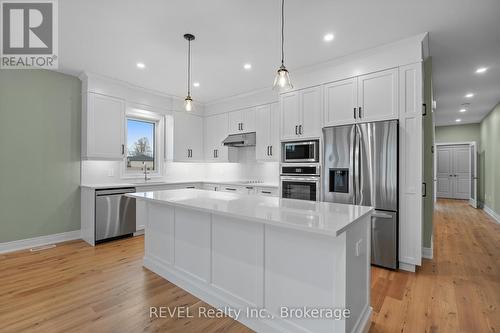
<point x="339" y="150"/>
<point x="377" y="165"/>
<point x="302" y="188"/>
<point x="301" y="152"/>
<point x="384" y="239"/>
<point x="115" y="214"/>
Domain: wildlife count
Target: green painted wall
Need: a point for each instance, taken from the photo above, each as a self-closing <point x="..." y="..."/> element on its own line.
<point x="458" y="133"/>
<point x="428" y="158"/>
<point x="40" y="125"/>
<point x="489" y="160"/>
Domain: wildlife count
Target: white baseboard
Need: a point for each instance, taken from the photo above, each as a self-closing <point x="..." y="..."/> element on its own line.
<point x="427" y="252"/>
<point x="39" y="241"/>
<point x="407" y="267"/>
<point x="139" y="231"/>
<point x="492" y="213"/>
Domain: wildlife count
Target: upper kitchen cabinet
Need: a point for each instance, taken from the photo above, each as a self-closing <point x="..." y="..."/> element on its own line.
<point x="215" y="133"/>
<point x="301" y="113"/>
<point x="188" y="137"/>
<point x="267" y="145"/>
<point x="103" y="127"/>
<point x="242" y="121"/>
<point x="378" y="96"/>
<point x="341" y="102"/>
<point x="371" y="97"/>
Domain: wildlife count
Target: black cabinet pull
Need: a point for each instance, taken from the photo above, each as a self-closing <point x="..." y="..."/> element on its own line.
<point x="242" y="126"/>
<point x="267" y="150"/>
<point x="265" y="192"/>
<point x="296" y="130"/>
<point x="359" y="113"/>
<point x="271" y="150"/>
<point x="354" y="113"/>
<point x="123" y="149"/>
<point x="230" y="189"/>
<point x="190" y="187"/>
<point x="216" y="153"/>
<point x="300" y="129"/>
<point x="424" y="190"/>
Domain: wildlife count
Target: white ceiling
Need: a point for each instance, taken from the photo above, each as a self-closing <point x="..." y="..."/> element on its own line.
<point x="110" y="37"/>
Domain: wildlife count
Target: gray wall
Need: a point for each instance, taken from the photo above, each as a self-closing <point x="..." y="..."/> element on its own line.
<point x="40" y="125"/>
<point x="428" y="161"/>
<point x="458" y="133"/>
<point x="489" y="160"/>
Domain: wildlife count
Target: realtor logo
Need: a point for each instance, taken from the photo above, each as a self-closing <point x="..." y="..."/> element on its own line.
<point x="29" y="34"/>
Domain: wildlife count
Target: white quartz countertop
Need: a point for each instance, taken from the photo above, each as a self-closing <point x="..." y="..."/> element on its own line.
<point x="317" y="217"/>
<point x="160" y="183"/>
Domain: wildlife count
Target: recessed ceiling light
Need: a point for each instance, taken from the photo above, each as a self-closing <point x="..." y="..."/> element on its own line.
<point x="458" y="120"/>
<point x="328" y="37"/>
<point x="469" y="95"/>
<point x="247" y="66"/>
<point x="463" y="110"/>
<point x="196" y="84"/>
<point x="481" y="70"/>
<point x="141" y="65"/>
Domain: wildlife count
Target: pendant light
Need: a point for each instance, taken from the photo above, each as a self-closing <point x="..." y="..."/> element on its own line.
<point x="282" y="79"/>
<point x="188" y="101"/>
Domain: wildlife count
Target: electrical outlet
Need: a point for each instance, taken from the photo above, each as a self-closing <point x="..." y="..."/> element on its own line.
<point x="111" y="172"/>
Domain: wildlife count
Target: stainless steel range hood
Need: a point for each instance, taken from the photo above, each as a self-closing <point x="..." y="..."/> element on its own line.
<point x="240" y="140"/>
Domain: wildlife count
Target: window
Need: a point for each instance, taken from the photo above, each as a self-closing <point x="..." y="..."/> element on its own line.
<point x="141" y="145"/>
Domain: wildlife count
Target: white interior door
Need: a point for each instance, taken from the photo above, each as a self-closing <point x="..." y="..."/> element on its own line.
<point x="473" y="174"/>
<point x="461" y="172"/>
<point x="454" y="172"/>
<point x="444" y="172"/>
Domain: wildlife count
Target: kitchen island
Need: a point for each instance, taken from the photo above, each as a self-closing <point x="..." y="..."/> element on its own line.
<point x="275" y="265"/>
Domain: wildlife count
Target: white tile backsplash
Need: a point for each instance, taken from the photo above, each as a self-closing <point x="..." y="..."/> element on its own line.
<point x="108" y="172"/>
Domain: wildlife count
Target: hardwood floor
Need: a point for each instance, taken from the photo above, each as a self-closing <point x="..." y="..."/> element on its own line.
<point x="78" y="288"/>
<point x="458" y="291"/>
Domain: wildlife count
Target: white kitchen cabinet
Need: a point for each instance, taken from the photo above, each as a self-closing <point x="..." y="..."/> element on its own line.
<point x="242" y="121"/>
<point x="378" y="96"/>
<point x="267" y="191"/>
<point x="366" y="98"/>
<point x="410" y="166"/>
<point x="188" y="137"/>
<point x="267" y="145"/>
<point x="290" y="115"/>
<point x="341" y="102"/>
<point x="215" y="133"/>
<point x="103" y="127"/>
<point x="301" y="113"/>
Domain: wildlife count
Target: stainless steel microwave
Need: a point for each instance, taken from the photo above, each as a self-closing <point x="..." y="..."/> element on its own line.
<point x="301" y="152"/>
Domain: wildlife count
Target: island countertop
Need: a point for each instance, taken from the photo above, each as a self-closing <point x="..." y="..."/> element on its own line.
<point x="318" y="217"/>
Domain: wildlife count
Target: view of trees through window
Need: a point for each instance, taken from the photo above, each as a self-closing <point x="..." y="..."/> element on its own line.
<point x="140" y="145"/>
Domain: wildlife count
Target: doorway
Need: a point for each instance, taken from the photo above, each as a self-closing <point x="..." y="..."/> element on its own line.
<point x="455" y="167"/>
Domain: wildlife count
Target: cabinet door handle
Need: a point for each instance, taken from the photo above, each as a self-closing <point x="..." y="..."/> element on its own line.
<point x="265" y="192"/>
<point x="359" y="112"/>
<point x="271" y="150"/>
<point x="267" y="150"/>
<point x="123" y="149"/>
<point x="296" y="130"/>
<point x="300" y="129"/>
<point x="230" y="189"/>
<point x="354" y="113"/>
<point x="217" y="153"/>
<point x="242" y="126"/>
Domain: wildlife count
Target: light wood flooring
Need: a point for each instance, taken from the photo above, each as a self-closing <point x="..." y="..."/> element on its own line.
<point x="78" y="288"/>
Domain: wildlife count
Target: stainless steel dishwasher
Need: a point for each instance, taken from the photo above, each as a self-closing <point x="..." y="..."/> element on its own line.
<point x="114" y="213"/>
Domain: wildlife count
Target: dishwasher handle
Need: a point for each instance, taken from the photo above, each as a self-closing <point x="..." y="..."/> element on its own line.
<point x="114" y="191"/>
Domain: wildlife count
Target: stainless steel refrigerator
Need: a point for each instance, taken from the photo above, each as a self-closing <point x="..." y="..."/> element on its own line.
<point x="360" y="166"/>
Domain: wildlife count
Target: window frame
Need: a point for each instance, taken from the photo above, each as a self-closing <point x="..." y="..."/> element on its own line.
<point x="140" y="114"/>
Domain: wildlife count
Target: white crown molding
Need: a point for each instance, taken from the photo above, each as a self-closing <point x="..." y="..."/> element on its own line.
<point x="492" y="213"/>
<point x="23" y="244"/>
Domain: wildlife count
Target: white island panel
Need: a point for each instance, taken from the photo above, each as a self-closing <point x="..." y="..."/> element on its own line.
<point x="289" y="254"/>
<point x="238" y="259"/>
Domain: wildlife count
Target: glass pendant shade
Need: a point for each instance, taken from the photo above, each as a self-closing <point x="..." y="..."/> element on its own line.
<point x="188" y="103"/>
<point x="282" y="80"/>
